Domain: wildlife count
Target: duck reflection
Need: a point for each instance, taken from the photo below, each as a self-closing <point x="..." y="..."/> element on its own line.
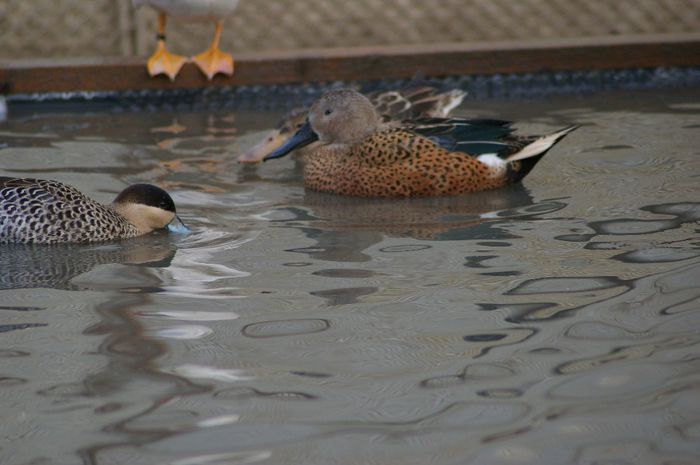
<point x="24" y="266"/>
<point x="343" y="227"/>
<point x="439" y="218"/>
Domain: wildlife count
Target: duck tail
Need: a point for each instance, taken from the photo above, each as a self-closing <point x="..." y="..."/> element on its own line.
<point x="533" y="152"/>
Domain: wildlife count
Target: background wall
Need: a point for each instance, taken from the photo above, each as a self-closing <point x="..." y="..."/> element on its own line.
<point x="82" y="28"/>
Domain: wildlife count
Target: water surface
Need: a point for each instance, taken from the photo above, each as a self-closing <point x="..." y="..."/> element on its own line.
<point x="557" y="321"/>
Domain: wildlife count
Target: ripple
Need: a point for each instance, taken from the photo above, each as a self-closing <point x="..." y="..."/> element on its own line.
<point x="596" y="330"/>
<point x="575" y="237"/>
<point x="546" y="351"/>
<point x="227" y="458"/>
<point x="311" y="374"/>
<point x="248" y="392"/>
<point x="481" y="414"/>
<point x="613" y="382"/>
<point x="194" y="315"/>
<point x="691" y="430"/>
<point x="344" y="273"/>
<point x="502" y="273"/>
<point x="9" y="381"/>
<point x="484" y="337"/>
<point x="345" y="295"/>
<point x="565" y="285"/>
<point x="605" y="245"/>
<point x="208" y="372"/>
<point x="17" y="326"/>
<point x="473" y="372"/>
<point x="530" y="210"/>
<point x="168" y="420"/>
<point x="183" y="332"/>
<point x="6" y="353"/>
<point x="405" y="248"/>
<point x="494" y="244"/>
<point x="632" y="227"/>
<point x="196" y="270"/>
<point x="608" y="147"/>
<point x="502" y="393"/>
<point x="686" y="211"/>
<point x="17" y="308"/>
<point x="476" y="261"/>
<point x="487" y="341"/>
<point x="218" y="421"/>
<point x="63" y="390"/>
<point x="656" y="255"/>
<point x="282" y="328"/>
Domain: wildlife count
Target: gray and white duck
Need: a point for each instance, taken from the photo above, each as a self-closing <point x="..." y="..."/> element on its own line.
<point x="48" y="212"/>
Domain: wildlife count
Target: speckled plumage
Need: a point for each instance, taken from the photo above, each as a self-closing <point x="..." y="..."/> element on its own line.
<point x="396" y="163"/>
<point x="45" y="211"/>
<point x="359" y="155"/>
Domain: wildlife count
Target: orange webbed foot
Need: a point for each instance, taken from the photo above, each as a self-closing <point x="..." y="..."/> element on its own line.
<point x="214" y="61"/>
<point x="164" y="62"/>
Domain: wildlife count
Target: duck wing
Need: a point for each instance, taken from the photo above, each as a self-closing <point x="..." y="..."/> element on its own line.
<point x="470" y="136"/>
<point x="23" y="190"/>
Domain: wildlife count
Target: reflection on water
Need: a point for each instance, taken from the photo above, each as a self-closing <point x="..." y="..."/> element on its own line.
<point x="550" y="322"/>
<point x="55" y="266"/>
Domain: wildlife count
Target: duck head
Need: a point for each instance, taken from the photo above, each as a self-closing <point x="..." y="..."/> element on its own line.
<point x="342" y="117"/>
<point x="148" y="207"/>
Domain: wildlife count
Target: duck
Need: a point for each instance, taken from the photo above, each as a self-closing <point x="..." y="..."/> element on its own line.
<point x="41" y="211"/>
<point x="210" y="62"/>
<point x="356" y="154"/>
<point x="413" y="101"/>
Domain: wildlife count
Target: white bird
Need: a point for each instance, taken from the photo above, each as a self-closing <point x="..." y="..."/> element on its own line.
<point x="213" y="60"/>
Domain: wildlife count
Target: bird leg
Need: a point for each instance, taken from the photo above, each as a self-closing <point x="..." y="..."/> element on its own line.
<point x="162" y="61"/>
<point x="214" y="60"/>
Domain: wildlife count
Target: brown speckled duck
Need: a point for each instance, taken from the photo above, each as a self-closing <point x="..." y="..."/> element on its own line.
<point x="357" y="154"/>
<point x="49" y="212"/>
<point x="413" y="101"/>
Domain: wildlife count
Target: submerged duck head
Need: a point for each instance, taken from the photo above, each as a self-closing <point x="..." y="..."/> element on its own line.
<point x="148" y="207"/>
<point x="337" y="117"/>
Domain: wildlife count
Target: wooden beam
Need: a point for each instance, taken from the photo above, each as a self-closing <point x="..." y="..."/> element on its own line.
<point x="363" y="63"/>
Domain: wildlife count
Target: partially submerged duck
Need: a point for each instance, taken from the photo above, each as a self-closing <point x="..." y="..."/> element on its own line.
<point x="49" y="212"/>
<point x="408" y="103"/>
<point x="357" y="154"/>
<point x="210" y="62"/>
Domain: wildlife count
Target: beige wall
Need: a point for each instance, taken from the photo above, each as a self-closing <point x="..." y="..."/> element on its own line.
<point x="80" y="28"/>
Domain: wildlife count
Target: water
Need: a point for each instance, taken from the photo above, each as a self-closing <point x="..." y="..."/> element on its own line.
<point x="553" y="322"/>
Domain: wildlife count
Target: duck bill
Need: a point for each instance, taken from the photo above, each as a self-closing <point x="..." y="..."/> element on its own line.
<point x="177" y="226"/>
<point x="272" y="140"/>
<point x="303" y="137"/>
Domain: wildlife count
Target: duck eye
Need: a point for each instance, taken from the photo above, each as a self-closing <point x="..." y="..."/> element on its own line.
<point x="328" y="111"/>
